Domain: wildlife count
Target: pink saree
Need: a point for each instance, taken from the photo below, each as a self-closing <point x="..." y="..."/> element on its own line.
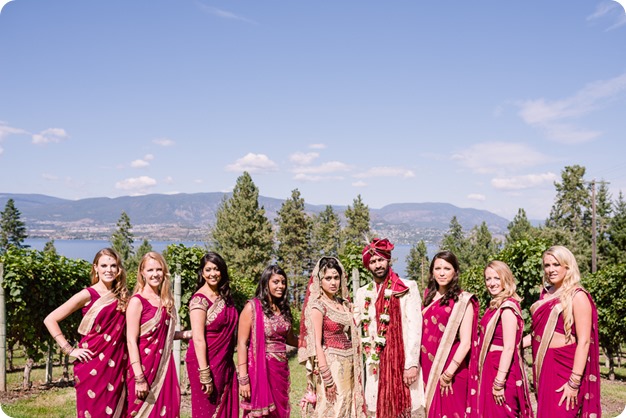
<point x="156" y="336"/>
<point x="439" y="343"/>
<point x="552" y="367"/>
<point x="220" y="326"/>
<point x="99" y="383"/>
<point x="516" y="393"/>
<point x="267" y="356"/>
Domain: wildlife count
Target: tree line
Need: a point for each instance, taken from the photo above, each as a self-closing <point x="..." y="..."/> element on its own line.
<point x="586" y="220"/>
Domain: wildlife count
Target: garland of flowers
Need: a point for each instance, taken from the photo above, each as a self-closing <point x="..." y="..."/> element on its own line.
<point x="372" y="353"/>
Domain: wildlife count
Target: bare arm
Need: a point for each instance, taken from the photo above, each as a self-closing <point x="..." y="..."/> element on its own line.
<point x="243" y="337"/>
<point x="509" y="330"/>
<point x="197" y="317"/>
<point x="133" y="326"/>
<point x="51" y="322"/>
<point x="582" y="319"/>
<point x="331" y="390"/>
<point x="465" y="337"/>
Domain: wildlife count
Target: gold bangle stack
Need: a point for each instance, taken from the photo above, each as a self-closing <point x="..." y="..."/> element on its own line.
<point x="205" y="376"/>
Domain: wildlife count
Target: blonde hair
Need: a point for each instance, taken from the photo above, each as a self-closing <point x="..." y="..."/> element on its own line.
<point x="165" y="288"/>
<point x="506" y="280"/>
<point x="571" y="283"/>
<point x="119" y="288"/>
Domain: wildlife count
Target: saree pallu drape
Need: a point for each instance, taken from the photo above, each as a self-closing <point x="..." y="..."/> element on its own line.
<point x="439" y="344"/>
<point x="99" y="382"/>
<point x="156" y="338"/>
<point x="268" y="368"/>
<point x="220" y="326"/>
<point x="552" y="367"/>
<point x="516" y="393"/>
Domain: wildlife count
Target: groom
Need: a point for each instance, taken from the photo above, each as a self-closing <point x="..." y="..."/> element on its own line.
<point x="389" y="312"/>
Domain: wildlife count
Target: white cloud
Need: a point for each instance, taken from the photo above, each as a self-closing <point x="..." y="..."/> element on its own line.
<point x="223" y="13"/>
<point x="477" y="196"/>
<point x="326" y="168"/>
<point x="169" y="180"/>
<point x="317" y="146"/>
<point x="139" y="164"/>
<point x="142" y="162"/>
<point x="386" y="172"/>
<point x="164" y="142"/>
<point x="609" y="9"/>
<point x="136" y="184"/>
<point x="489" y="157"/>
<point x="6" y="130"/>
<point x="523" y="182"/>
<point x="1" y="150"/>
<point x="253" y="163"/>
<point x="359" y="183"/>
<point x="49" y="135"/>
<point x="303" y="158"/>
<point x="49" y="177"/>
<point x="315" y="178"/>
<point x="552" y="116"/>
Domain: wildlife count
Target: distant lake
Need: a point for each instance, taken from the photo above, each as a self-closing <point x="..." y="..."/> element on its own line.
<point x="86" y="249"/>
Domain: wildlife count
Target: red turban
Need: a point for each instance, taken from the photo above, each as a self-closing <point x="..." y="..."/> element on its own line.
<point x="380" y="247"/>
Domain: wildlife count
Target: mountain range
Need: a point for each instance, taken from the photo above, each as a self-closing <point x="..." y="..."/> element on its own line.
<point x="183" y="216"/>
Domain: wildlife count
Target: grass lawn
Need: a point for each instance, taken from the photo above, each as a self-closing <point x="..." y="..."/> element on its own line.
<point x="59" y="402"/>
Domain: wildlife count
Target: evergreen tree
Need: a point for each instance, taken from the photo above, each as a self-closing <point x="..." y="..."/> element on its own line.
<point x="12" y="228"/>
<point x="358" y="218"/>
<point x="294" y="230"/>
<point x="133" y="264"/>
<point x="122" y="240"/>
<point x="50" y="248"/>
<point x="417" y="264"/>
<point x="616" y="245"/>
<point x="242" y="233"/>
<point x="483" y="246"/>
<point x="604" y="211"/>
<point x="326" y="234"/>
<point x="519" y="228"/>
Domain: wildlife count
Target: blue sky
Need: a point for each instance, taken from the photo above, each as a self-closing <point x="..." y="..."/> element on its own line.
<point x="477" y="104"/>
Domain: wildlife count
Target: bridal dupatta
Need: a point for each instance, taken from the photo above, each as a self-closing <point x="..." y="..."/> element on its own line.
<point x="553" y="366"/>
<point x="156" y="336"/>
<point x="220" y="327"/>
<point x="439" y="343"/>
<point x="516" y="393"/>
<point x="346" y="368"/>
<point x="99" y="382"/>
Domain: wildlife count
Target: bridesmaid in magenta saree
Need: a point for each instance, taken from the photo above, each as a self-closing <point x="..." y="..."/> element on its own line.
<point x="101" y="354"/>
<point x="153" y="389"/>
<point x="450" y="319"/>
<point x="210" y="364"/>
<point x="565" y="342"/>
<point x="503" y="385"/>
<point x="264" y="331"/>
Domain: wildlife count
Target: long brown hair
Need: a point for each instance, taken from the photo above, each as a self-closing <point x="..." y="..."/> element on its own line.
<point x="119" y="288"/>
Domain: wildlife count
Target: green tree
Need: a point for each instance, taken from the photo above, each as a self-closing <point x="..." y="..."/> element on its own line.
<point x="604" y="211"/>
<point x="616" y="245"/>
<point x="482" y="244"/>
<point x="122" y="240"/>
<point x="567" y="224"/>
<point x="519" y="228"/>
<point x="132" y="264"/>
<point x="326" y="234"/>
<point x="242" y="233"/>
<point x="293" y="236"/>
<point x="12" y="228"/>
<point x="357" y="229"/>
<point x="417" y="264"/>
<point x="49" y="247"/>
<point x="609" y="294"/>
<point x="454" y="240"/>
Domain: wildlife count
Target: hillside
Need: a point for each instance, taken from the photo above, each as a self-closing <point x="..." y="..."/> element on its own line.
<point x="188" y="216"/>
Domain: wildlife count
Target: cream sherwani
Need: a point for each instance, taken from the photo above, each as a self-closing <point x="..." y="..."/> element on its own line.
<point x="411" y="308"/>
